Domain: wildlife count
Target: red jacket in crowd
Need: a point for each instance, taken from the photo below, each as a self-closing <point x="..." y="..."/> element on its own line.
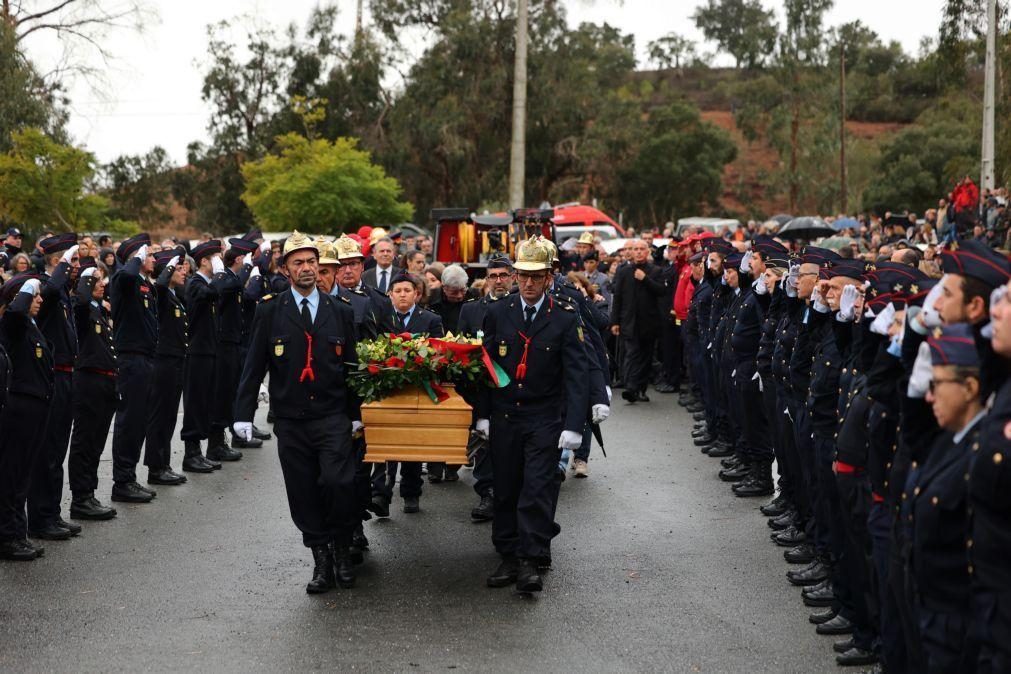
<point x="965" y="196"/>
<point x="683" y="293"/>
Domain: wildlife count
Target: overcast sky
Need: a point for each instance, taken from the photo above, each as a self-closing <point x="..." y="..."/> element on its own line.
<point x="152" y="91"/>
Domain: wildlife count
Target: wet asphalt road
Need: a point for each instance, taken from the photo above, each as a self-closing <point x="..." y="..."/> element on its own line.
<point x="658" y="568"/>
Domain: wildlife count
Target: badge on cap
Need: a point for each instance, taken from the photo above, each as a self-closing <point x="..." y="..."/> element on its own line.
<point x="502" y="350"/>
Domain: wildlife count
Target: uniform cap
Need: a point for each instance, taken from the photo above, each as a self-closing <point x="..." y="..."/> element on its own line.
<point x="978" y="260"/>
<point x="297" y="241"/>
<point x="893" y="282"/>
<point x="823" y="257"/>
<point x="11" y="288"/>
<point x="253" y="235"/>
<point x="953" y="345"/>
<point x="715" y="244"/>
<point x="206" y="249"/>
<point x="58" y="243"/>
<point x="13" y="231"/>
<point x="347" y="248"/>
<point x="500" y="262"/>
<point x="697" y="257"/>
<point x="733" y="260"/>
<point x="132" y="245"/>
<point x="849" y="268"/>
<point x="243" y="245"/>
<point x="532" y="255"/>
<point x="774" y="254"/>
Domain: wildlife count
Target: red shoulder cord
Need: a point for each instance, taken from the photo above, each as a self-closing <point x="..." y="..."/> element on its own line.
<point x="307" y="372"/>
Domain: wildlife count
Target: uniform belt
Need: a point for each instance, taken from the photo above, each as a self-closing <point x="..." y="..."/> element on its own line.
<point x="838" y="467"/>
<point x="63" y="368"/>
<point x="94" y="370"/>
<point x="877" y="498"/>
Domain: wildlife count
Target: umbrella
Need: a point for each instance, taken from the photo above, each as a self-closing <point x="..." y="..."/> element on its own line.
<point x="845" y="223"/>
<point x="805" y="227"/>
<point x="782" y="218"/>
<point x="838" y="242"/>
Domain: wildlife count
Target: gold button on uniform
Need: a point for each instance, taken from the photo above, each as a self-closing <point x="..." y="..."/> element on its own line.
<point x="998" y="458"/>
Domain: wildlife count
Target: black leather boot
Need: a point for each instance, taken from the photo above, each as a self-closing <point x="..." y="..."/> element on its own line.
<point x="322" y="573"/>
<point x="343" y="566"/>
<point x="485" y="510"/>
<point x="217" y="450"/>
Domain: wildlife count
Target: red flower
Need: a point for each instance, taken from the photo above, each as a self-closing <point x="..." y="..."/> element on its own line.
<point x="373" y="368"/>
<point x="464" y="359"/>
<point x="418" y="360"/>
<point x="393" y="361"/>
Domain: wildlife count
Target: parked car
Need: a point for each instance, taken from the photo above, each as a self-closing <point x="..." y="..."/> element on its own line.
<point x="714" y="225"/>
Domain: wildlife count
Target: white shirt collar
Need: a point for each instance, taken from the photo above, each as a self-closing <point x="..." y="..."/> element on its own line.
<point x="968" y="427"/>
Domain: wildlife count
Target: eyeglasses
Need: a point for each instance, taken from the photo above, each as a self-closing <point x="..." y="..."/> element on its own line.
<point x="495" y="277"/>
<point x="935" y="382"/>
<point x="531" y="278"/>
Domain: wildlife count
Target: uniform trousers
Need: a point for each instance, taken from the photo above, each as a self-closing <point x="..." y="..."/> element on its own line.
<point x="363" y="482"/>
<point x="166" y="392"/>
<point x="24" y="422"/>
<point x="133" y="386"/>
<point x="946" y="643"/>
<point x="525" y="455"/>
<point x="384" y="476"/>
<point x="893" y="646"/>
<point x="198" y="397"/>
<point x="829" y="513"/>
<point x="788" y="456"/>
<point x="638" y="361"/>
<point x="227" y="371"/>
<point x="805" y="452"/>
<point x="318" y="463"/>
<point x="855" y="499"/>
<point x="751" y="404"/>
<point x="94" y="407"/>
<point x="693" y="360"/>
<point x="46" y="491"/>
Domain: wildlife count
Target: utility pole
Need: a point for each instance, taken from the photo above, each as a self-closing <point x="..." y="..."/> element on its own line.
<point x="518" y="152"/>
<point x="843" y="190"/>
<point x="987" y="173"/>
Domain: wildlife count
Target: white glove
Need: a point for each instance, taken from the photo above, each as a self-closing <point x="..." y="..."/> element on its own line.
<point x="883" y="321"/>
<point x="217" y="266"/>
<point x="922" y="374"/>
<point x="761" y="388"/>
<point x="357" y="428"/>
<point x="790" y="284"/>
<point x="265" y="247"/>
<point x="174" y="262"/>
<point x="600" y="413"/>
<point x="848" y="303"/>
<point x="247" y="259"/>
<point x="570" y="440"/>
<point x="483" y="426"/>
<point x="141" y="253"/>
<point x="998" y="294"/>
<point x="610" y="395"/>
<point x="31" y="286"/>
<point x="89" y="272"/>
<point x="707" y="262"/>
<point x="70" y="252"/>
<point x="746" y="262"/>
<point x="759" y="286"/>
<point x="254" y="272"/>
<point x="817" y="301"/>
<point x="243" y="429"/>
<point x="928" y="318"/>
<point x="264" y="395"/>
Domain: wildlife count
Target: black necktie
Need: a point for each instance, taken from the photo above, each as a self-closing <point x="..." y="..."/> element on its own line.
<point x="530" y="311"/>
<point x="306" y="316"/>
<point x="382" y="282"/>
<point x="403" y="320"/>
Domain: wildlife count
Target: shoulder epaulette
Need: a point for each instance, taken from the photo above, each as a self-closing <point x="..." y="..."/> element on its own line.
<point x="359" y="291"/>
<point x="343" y="299"/>
<point x="267" y="297"/>
<point x="567" y="307"/>
<point x="472" y="299"/>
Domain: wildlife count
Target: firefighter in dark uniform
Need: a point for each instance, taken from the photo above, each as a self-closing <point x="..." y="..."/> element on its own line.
<point x="171" y="268"/>
<point x="25" y="413"/>
<point x="94" y="395"/>
<point x="405" y="291"/>
<point x="989" y="542"/>
<point x="938" y="501"/>
<point x="306" y="341"/>
<point x="373" y="311"/>
<point x="498" y="283"/>
<point x="202" y="293"/>
<point x="135" y="336"/>
<point x="228" y="357"/>
<point x="538" y="341"/>
<point x="56" y="320"/>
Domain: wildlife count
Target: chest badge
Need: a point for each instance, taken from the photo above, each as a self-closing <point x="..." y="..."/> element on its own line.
<point x="146" y="304"/>
<point x="279" y="349"/>
<point x="502" y="350"/>
<point x="179" y="313"/>
<point x="338" y="349"/>
<point x="38" y="351"/>
<point x="579" y="332"/>
<point x="98" y="328"/>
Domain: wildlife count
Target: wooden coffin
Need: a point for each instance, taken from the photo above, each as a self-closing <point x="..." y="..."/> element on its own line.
<point x="408" y="426"/>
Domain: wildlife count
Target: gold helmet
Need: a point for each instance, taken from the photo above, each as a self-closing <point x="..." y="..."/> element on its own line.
<point x="297" y="241"/>
<point x="377" y="233"/>
<point x="550" y="245"/>
<point x="327" y="253"/>
<point x="347" y="248"/>
<point x="533" y="255"/>
<point x="586" y="237"/>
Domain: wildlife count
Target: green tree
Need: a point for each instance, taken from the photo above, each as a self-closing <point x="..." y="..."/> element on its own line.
<point x="42" y="184"/>
<point x="139" y="187"/>
<point x="742" y="28"/>
<point x="679" y="167"/>
<point x="321" y="186"/>
<point x="25" y="99"/>
<point x="671" y="51"/>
